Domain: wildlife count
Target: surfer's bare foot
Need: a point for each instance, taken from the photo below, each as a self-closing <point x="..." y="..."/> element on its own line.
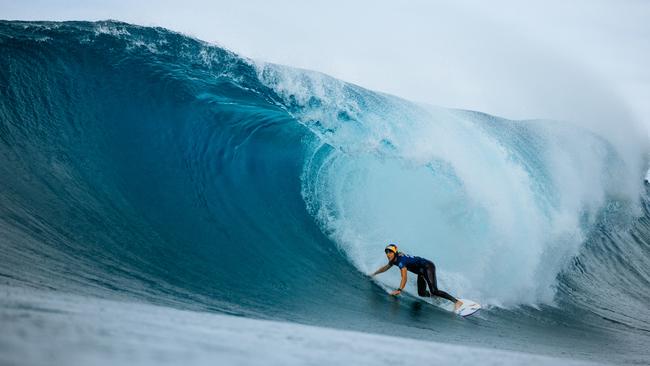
<point x="457" y="305"/>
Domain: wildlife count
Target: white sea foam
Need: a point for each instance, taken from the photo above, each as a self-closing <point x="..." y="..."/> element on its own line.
<point x="45" y="327"/>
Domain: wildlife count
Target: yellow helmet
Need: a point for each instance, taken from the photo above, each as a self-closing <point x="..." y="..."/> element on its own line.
<point x="391" y="248"/>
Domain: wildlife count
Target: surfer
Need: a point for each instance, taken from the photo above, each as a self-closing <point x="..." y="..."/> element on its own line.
<point x="424" y="268"/>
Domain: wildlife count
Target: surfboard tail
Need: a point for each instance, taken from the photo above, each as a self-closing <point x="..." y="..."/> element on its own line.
<point x="468" y="308"/>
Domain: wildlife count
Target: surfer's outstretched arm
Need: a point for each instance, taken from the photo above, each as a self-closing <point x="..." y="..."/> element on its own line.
<point x="382" y="269"/>
<point x="402" y="283"/>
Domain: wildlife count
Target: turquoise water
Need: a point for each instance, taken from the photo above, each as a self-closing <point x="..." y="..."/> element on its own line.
<point x="143" y="165"/>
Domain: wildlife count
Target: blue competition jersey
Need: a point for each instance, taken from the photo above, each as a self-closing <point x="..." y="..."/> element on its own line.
<point x="412" y="263"/>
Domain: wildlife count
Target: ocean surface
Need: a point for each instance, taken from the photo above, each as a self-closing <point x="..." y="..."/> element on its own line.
<point x="142" y="166"/>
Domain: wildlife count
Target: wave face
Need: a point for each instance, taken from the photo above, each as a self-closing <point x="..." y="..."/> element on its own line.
<point x="139" y="163"/>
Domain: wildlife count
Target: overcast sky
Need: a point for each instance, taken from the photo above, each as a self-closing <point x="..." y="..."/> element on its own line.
<point x="561" y="59"/>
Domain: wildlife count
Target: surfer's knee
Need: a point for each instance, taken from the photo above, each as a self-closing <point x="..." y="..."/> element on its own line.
<point x="424" y="293"/>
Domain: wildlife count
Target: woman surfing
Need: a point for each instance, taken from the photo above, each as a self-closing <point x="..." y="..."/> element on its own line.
<point x="424" y="268"/>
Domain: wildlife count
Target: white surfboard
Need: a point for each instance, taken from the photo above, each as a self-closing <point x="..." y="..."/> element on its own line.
<point x="468" y="308"/>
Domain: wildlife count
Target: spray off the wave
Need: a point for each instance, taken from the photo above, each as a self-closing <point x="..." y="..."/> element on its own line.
<point x="502" y="205"/>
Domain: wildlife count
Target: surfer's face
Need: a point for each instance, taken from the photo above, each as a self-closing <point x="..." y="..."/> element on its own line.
<point x="390" y="255"/>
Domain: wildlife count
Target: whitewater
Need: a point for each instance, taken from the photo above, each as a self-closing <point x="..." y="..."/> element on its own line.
<point x="164" y="200"/>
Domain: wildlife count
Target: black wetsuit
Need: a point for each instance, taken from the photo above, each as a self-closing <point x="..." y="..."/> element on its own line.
<point x="426" y="271"/>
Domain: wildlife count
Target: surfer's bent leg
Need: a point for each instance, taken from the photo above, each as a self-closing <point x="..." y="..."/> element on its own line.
<point x="430" y="277"/>
<point x="422" y="287"/>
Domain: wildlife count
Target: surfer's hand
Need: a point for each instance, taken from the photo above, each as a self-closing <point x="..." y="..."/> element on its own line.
<point x="396" y="292"/>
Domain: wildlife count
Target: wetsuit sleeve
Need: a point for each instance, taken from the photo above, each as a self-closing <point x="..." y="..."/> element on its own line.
<point x="400" y="264"/>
